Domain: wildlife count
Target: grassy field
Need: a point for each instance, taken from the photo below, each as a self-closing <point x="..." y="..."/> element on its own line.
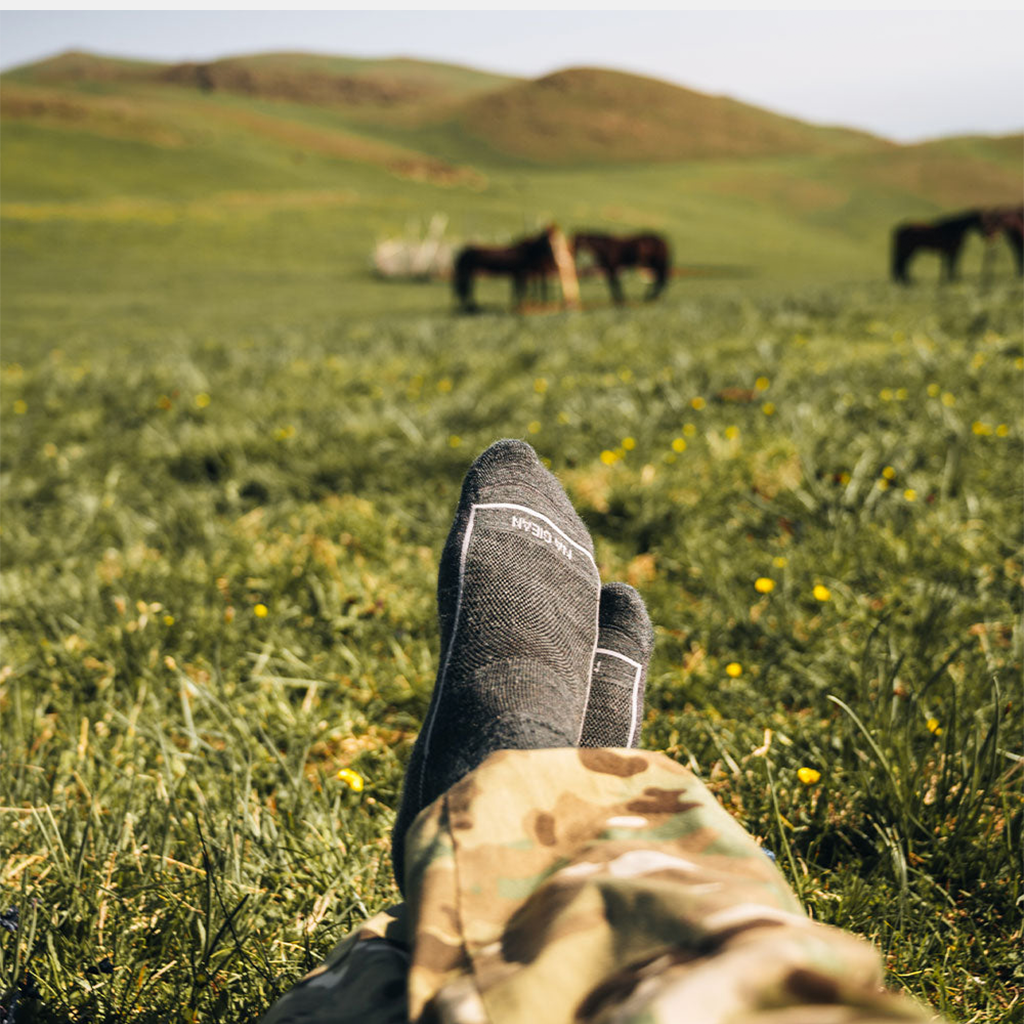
<point x="229" y="459"/>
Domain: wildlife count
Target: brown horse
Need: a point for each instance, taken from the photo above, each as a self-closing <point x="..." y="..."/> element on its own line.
<point x="945" y="236"/>
<point x="648" y="250"/>
<point x="526" y="260"/>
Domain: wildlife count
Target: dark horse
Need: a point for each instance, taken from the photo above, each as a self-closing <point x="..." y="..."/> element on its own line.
<point x="946" y="236"/>
<point x="611" y="254"/>
<point x="524" y="261"/>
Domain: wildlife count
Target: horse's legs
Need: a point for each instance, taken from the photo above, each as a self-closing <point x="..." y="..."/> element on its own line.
<point x="518" y="290"/>
<point x="614" y="286"/>
<point x="1016" y="240"/>
<point x="658" y="284"/>
<point x="950" y="256"/>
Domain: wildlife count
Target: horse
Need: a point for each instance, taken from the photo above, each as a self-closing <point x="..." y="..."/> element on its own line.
<point x="526" y="260"/>
<point x="648" y="250"/>
<point x="946" y="236"/>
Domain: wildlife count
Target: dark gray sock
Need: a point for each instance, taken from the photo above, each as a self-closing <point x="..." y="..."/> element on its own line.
<point x="625" y="641"/>
<point x="517" y="597"/>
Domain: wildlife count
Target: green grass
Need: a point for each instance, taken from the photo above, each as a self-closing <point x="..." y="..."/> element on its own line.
<point x="169" y="799"/>
<point x="208" y="407"/>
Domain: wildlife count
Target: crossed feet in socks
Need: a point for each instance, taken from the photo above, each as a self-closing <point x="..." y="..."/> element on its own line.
<point x="534" y="651"/>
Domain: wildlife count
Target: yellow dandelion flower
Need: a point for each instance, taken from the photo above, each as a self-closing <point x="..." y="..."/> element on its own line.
<point x="981" y="429"/>
<point x="698" y="403"/>
<point x="764" y="585"/>
<point x="768" y="408"/>
<point x="734" y="669"/>
<point x="608" y="457"/>
<point x="901" y="394"/>
<point x="164" y="403"/>
<point x="628" y="443"/>
<point x="933" y="390"/>
<point x="20" y="407"/>
<point x="882" y="484"/>
<point x="889" y="473"/>
<point x="444" y="385"/>
<point x="352" y="779"/>
<point x="533" y="426"/>
<point x="762" y="383"/>
<point x="780" y="561"/>
<point x="454" y="441"/>
<point x="808" y="776"/>
<point x="732" y="433"/>
<point x="540" y="385"/>
<point x="844" y="478"/>
<point x="168" y="620"/>
<point x="202" y="400"/>
<point x="910" y="494"/>
<point x="678" y="445"/>
<point x="933" y="726"/>
<point x="978" y="361"/>
<point x="821" y="593"/>
<point x="948" y="399"/>
<point x="1002" y="430"/>
<point x="885" y="394"/>
<point x="50" y="450"/>
<point x="689" y="430"/>
<point x="261" y="611"/>
<point x="625" y="374"/>
<point x="1019" y="362"/>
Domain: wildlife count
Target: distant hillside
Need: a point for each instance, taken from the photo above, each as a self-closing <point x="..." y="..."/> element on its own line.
<point x="586" y="115"/>
<point x="297" y="77"/>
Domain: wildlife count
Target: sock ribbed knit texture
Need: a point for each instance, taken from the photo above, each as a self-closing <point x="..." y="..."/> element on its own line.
<point x="517" y="597"/>
<point x="625" y="641"/>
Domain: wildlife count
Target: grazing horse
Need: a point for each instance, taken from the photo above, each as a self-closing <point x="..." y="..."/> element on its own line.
<point x="611" y="254"/>
<point x="946" y="236"/>
<point x="526" y="260"/>
<point x="1008" y="220"/>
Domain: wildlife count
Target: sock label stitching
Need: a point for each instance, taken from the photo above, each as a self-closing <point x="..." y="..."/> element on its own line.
<point x="555" y="536"/>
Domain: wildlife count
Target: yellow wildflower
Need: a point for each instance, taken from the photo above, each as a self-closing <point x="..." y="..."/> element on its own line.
<point x="202" y="400"/>
<point x="808" y="776"/>
<point x="768" y="408"/>
<point x="933" y="726"/>
<point x="678" y="445"/>
<point x="780" y="561"/>
<point x="888" y="472"/>
<point x="981" y="429"/>
<point x="20" y="407"/>
<point x="821" y="593"/>
<point x="609" y="458"/>
<point x="762" y="383"/>
<point x="948" y="399"/>
<point x="1002" y="430"/>
<point x="168" y="620"/>
<point x="698" y="403"/>
<point x="933" y="390"/>
<point x="764" y="585"/>
<point x="885" y="394"/>
<point x="731" y="433"/>
<point x="533" y="426"/>
<point x="352" y="779"/>
<point x="910" y="494"/>
<point x="901" y="394"/>
<point x="882" y="484"/>
<point x="628" y="443"/>
<point x="444" y="385"/>
<point x="50" y="450"/>
<point x="454" y="441"/>
<point x="734" y="669"/>
<point x="540" y="385"/>
<point x="261" y="611"/>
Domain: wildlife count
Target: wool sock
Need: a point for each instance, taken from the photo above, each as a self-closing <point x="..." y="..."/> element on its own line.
<point x="625" y="641"/>
<point x="517" y="597"/>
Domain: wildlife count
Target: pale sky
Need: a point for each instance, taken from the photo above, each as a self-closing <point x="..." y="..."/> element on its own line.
<point x="907" y="75"/>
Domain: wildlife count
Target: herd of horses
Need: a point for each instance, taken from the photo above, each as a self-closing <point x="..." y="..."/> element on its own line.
<point x="533" y="260"/>
<point x="948" y="235"/>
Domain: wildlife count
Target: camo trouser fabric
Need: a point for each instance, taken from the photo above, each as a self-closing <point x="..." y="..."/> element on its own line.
<point x="596" y="887"/>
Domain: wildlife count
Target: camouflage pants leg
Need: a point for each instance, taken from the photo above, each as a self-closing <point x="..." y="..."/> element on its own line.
<point x="599" y="887"/>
